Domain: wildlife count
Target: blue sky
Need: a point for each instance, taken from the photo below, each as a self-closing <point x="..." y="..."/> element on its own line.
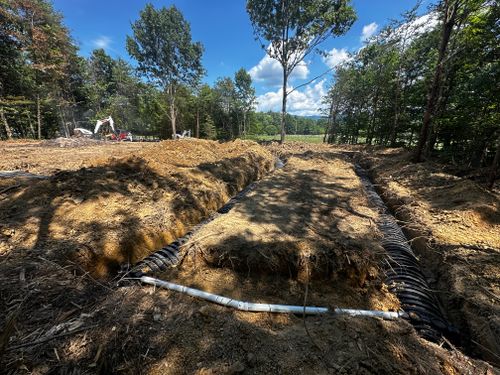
<point x="224" y="29"/>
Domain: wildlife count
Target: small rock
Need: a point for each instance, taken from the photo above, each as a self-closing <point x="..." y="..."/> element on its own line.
<point x="78" y="200"/>
<point x="157" y="317"/>
<point x="414" y="316"/>
<point x="236" y="368"/>
<point x="205" y="310"/>
<point x="251" y="359"/>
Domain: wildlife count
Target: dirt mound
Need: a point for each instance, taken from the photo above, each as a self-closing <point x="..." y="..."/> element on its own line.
<point x="46" y="160"/>
<point x="302" y="220"/>
<point x="71" y="142"/>
<point x="118" y="210"/>
<point x="454" y="224"/>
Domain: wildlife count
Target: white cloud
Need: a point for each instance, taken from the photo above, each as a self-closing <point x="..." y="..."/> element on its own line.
<point x="270" y="73"/>
<point x="425" y="23"/>
<point x="417" y="27"/>
<point x="336" y="57"/>
<point x="303" y="103"/>
<point x="102" y="42"/>
<point x="368" y="31"/>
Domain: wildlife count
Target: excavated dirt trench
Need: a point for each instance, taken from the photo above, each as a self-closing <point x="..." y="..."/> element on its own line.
<point x="307" y="227"/>
<point x="303" y="223"/>
<point x="453" y="225"/>
<point x="118" y="210"/>
<point x="307" y="224"/>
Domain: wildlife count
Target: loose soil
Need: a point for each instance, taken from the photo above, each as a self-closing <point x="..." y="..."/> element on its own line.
<point x="118" y="209"/>
<point x="307" y="226"/>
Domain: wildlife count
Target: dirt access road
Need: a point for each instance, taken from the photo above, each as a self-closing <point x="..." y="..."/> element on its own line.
<point x="306" y="233"/>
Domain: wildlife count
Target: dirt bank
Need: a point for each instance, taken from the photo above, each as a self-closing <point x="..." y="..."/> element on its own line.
<point x="120" y="208"/>
<point x="455" y="227"/>
<point x="312" y="216"/>
<point x="307" y="221"/>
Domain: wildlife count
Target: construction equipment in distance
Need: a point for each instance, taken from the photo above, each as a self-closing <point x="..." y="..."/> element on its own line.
<point x="105" y="129"/>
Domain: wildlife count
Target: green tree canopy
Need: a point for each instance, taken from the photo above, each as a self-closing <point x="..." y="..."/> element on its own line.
<point x="294" y="28"/>
<point x="165" y="53"/>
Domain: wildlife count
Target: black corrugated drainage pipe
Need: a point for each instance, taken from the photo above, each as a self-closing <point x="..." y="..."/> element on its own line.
<point x="404" y="276"/>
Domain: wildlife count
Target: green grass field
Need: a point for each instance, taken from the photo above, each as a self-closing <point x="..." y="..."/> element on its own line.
<point x="316" y="138"/>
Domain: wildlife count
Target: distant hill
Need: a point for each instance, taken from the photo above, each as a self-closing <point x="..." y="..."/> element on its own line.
<point x="314" y="117"/>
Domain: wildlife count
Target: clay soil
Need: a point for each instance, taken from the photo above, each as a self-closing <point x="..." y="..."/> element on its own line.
<point x="305" y="234"/>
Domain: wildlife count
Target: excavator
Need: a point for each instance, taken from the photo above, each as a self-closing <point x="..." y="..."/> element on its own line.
<point x="104" y="129"/>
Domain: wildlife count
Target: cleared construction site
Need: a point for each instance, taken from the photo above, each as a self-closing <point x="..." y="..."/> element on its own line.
<point x="195" y="256"/>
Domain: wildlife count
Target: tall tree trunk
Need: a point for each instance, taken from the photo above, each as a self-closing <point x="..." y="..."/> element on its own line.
<point x="173" y="115"/>
<point x="449" y="21"/>
<point x="371" y="125"/>
<point x="495" y="165"/>
<point x="328" y="124"/>
<point x="332" y="137"/>
<point x="38" y="116"/>
<point x="245" y="123"/>
<point x="395" y="124"/>
<point x="197" y="132"/>
<point x="64" y="127"/>
<point x="32" y="129"/>
<point x="283" y="105"/>
<point x="327" y="129"/>
<point x="8" y="130"/>
<point x="448" y="77"/>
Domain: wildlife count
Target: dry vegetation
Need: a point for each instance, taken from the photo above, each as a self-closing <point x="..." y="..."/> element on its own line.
<point x="307" y="224"/>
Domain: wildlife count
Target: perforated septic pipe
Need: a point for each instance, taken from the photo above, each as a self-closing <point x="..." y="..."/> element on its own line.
<point x="403" y="273"/>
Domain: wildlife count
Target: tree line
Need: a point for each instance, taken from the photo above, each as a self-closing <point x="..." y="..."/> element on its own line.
<point x="47" y="89"/>
<point x="434" y="89"/>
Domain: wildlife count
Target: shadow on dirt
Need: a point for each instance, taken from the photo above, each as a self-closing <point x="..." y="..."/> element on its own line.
<point x="105" y="209"/>
<point x="60" y="319"/>
<point x="297" y="219"/>
<point x="137" y="330"/>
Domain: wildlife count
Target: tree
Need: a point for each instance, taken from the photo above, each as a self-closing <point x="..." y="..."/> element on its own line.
<point x="225" y="106"/>
<point x="294" y="28"/>
<point x="401" y="33"/>
<point x="246" y="96"/>
<point x="204" y="104"/>
<point x="99" y="80"/>
<point x="39" y="73"/>
<point x="165" y="53"/>
<point x="465" y="115"/>
<point x="208" y="128"/>
<point x="449" y="12"/>
<point x="452" y="12"/>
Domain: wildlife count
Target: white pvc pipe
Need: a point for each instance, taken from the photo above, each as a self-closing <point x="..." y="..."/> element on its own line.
<point x="265" y="307"/>
<point x="389" y="315"/>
